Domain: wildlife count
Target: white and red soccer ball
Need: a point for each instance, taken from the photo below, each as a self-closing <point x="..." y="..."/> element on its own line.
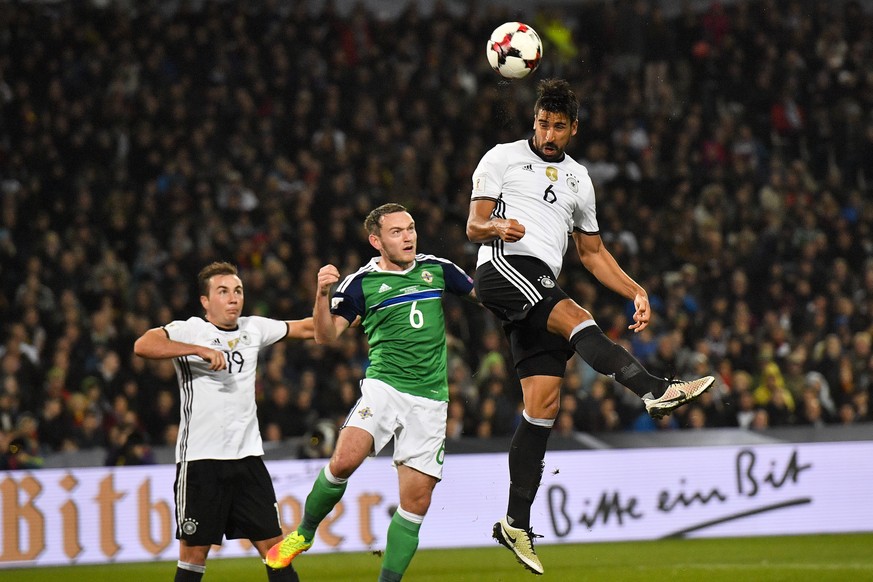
<point x="514" y="50"/>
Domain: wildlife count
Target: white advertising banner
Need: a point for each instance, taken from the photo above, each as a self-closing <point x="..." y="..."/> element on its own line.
<point x="126" y="514"/>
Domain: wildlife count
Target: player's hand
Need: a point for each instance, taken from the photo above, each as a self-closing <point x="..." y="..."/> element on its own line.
<point x="642" y="314"/>
<point x="327" y="276"/>
<point x="509" y="229"/>
<point x="214" y="358"/>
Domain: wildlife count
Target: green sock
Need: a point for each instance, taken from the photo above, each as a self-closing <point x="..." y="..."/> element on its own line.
<point x="320" y="501"/>
<point x="401" y="546"/>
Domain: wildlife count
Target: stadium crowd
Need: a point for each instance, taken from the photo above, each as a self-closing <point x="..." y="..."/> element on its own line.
<point x="732" y="151"/>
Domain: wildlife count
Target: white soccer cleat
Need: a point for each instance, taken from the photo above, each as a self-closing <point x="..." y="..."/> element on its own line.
<point x="520" y="541"/>
<point x="677" y="394"/>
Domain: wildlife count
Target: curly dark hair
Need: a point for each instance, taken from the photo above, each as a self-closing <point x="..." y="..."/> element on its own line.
<point x="556" y="96"/>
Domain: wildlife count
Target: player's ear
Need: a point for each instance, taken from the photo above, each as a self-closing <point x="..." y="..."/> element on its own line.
<point x="375" y="242"/>
<point x="575" y="127"/>
<point x="204" y="301"/>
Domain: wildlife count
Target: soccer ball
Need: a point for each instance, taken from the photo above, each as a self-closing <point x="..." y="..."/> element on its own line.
<point x="514" y="50"/>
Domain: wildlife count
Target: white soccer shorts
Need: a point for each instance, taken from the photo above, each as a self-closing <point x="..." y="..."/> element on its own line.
<point x="417" y="425"/>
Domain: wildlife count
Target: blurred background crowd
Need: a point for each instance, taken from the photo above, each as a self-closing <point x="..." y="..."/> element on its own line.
<point x="731" y="146"/>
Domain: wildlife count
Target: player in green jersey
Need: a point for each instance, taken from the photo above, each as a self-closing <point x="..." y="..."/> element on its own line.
<point x="396" y="298"/>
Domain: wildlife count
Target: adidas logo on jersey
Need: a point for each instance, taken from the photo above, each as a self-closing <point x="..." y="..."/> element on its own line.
<point x="528" y="168"/>
<point x="216" y="342"/>
<point x="384" y="288"/>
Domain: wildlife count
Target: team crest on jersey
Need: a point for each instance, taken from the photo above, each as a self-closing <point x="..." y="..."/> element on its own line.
<point x="427" y="276"/>
<point x="573" y="183"/>
<point x="552" y="173"/>
<point x="189" y="526"/>
<point x="546" y="282"/>
<point x="365" y="413"/>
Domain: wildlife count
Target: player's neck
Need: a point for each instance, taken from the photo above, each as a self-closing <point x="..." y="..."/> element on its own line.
<point x="389" y="265"/>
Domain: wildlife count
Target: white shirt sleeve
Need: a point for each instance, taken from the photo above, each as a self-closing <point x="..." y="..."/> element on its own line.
<point x="585" y="213"/>
<point x="488" y="176"/>
<point x="181" y="331"/>
<point x="272" y="330"/>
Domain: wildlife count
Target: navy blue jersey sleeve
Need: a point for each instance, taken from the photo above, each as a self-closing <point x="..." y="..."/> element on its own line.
<point x="457" y="281"/>
<point x="348" y="300"/>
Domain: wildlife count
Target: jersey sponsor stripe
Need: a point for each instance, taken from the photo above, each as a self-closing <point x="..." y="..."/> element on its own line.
<point x="408" y="298"/>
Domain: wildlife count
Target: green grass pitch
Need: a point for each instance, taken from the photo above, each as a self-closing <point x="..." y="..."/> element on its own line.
<point x="772" y="559"/>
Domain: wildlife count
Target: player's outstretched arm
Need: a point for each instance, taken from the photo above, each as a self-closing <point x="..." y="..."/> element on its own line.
<point x="156" y="345"/>
<point x="600" y="262"/>
<point x="301" y="329"/>
<point x="481" y="228"/>
<point x="327" y="327"/>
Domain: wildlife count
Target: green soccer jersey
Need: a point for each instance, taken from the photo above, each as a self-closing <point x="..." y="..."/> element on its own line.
<point x="402" y="314"/>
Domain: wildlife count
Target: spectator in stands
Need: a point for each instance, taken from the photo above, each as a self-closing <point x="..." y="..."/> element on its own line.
<point x="19" y="454"/>
<point x="279" y="410"/>
<point x="134" y="451"/>
<point x="90" y="434"/>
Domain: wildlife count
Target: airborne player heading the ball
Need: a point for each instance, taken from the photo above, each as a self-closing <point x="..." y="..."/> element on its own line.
<point x="397" y="299"/>
<point x="529" y="198"/>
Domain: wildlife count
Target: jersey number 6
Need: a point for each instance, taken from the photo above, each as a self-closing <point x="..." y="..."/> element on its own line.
<point x="549" y="195"/>
<point x="416" y="317"/>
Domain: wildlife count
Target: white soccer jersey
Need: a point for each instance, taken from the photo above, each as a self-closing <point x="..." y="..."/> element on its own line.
<point x="550" y="199"/>
<point x="219" y="415"/>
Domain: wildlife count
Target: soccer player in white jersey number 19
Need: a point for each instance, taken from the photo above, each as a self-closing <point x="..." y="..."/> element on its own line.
<point x="222" y="486"/>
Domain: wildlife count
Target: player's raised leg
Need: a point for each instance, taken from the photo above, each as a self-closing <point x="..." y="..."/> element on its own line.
<point x="660" y="395"/>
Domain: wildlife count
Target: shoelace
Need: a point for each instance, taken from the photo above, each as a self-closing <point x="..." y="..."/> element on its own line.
<point x="672" y="380"/>
<point x="531" y="535"/>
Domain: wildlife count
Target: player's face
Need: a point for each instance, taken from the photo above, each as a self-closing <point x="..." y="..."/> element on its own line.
<point x="396" y="240"/>
<point x="224" y="303"/>
<point x="552" y="133"/>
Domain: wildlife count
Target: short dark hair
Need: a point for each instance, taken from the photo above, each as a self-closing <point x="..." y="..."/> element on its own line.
<point x="373" y="222"/>
<point x="556" y="96"/>
<point x="210" y="271"/>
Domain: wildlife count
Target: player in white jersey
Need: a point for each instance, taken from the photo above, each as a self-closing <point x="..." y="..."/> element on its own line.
<point x="222" y="486"/>
<point x="529" y="199"/>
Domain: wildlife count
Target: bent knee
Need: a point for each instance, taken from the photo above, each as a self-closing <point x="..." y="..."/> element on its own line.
<point x="566" y="315"/>
<point x="418" y="504"/>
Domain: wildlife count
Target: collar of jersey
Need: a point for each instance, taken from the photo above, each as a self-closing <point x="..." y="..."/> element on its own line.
<point x="234" y="328"/>
<point x="374" y="262"/>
